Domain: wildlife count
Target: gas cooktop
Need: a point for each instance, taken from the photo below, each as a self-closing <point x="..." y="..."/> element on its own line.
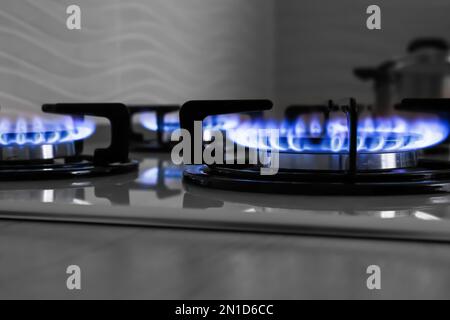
<point x="325" y="162"/>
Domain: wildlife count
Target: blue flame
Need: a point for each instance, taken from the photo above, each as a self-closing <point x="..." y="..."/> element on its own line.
<point x="149" y="121"/>
<point x="150" y="176"/>
<point x="172" y="122"/>
<point x="38" y="131"/>
<point x="395" y="134"/>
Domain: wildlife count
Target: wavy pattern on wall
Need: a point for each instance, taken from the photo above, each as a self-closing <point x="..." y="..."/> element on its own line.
<point x="134" y="51"/>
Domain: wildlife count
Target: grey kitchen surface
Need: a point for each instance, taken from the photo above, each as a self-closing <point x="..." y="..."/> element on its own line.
<point x="133" y="262"/>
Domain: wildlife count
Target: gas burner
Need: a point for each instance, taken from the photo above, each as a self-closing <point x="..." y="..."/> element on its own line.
<point x="36" y="139"/>
<point x="45" y="149"/>
<point x="318" y="138"/>
<point x="158" y="122"/>
<point x="344" y="155"/>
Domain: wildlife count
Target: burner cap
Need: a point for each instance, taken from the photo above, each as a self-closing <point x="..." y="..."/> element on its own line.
<point x="340" y="161"/>
<point x="36" y="153"/>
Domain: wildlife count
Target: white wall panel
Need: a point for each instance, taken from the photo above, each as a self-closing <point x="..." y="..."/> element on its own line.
<point x="135" y="51"/>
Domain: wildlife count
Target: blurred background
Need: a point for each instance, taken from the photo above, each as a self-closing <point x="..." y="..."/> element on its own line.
<point x="170" y="51"/>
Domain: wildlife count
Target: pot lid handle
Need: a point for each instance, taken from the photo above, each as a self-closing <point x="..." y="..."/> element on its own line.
<point x="435" y="43"/>
<point x="365" y="73"/>
<point x="374" y="73"/>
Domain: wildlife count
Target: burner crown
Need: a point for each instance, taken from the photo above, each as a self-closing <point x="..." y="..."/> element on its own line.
<point x="26" y="131"/>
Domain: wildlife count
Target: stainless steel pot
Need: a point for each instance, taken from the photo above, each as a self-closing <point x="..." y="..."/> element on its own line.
<point x="423" y="73"/>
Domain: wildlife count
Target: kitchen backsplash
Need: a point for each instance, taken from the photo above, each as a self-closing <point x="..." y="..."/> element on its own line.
<point x="137" y="51"/>
<point x="169" y="51"/>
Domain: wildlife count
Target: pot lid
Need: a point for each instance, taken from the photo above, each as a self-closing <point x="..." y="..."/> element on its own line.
<point x="425" y="56"/>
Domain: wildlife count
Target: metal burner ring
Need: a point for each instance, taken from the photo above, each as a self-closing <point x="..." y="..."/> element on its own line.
<point x="340" y="161"/>
<point x="43" y="152"/>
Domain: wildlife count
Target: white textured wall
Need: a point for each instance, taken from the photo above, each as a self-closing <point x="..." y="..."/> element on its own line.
<point x="169" y="51"/>
<point x="137" y="51"/>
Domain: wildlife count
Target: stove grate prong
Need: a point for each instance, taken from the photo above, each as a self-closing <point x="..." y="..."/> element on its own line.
<point x="118" y="116"/>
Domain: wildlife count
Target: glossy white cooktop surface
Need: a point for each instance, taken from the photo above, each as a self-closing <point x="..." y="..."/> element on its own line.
<point x="157" y="196"/>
